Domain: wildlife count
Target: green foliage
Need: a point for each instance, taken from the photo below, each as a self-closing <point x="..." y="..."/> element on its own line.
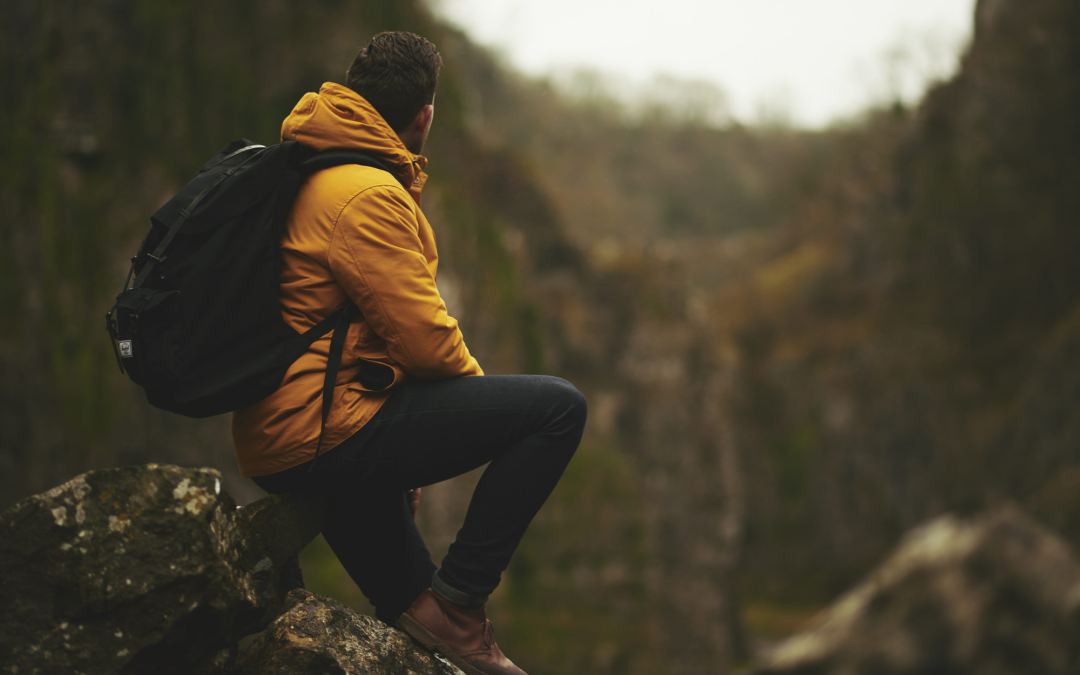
<point x="323" y="574"/>
<point x="574" y="599"/>
<point x="794" y="458"/>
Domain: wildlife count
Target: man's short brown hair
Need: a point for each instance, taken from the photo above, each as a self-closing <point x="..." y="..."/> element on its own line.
<point x="397" y="73"/>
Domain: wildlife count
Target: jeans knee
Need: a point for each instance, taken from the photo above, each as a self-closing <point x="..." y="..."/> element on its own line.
<point x="579" y="407"/>
<point x="572" y="405"/>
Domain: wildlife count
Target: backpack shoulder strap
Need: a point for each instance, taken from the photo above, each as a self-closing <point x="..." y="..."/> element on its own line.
<point x="339" y="320"/>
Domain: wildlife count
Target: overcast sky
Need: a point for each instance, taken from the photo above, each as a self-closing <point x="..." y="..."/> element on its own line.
<point x="818" y="60"/>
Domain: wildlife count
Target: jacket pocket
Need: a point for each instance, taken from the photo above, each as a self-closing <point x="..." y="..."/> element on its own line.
<point x="377" y="376"/>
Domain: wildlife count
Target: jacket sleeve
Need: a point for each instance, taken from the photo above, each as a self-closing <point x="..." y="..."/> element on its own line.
<point x="377" y="257"/>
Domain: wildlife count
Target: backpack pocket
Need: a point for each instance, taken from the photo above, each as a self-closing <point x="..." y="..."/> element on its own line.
<point x="148" y="322"/>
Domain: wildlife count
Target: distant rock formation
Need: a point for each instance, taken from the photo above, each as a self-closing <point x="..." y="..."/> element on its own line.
<point x="154" y="569"/>
<point x="996" y="595"/>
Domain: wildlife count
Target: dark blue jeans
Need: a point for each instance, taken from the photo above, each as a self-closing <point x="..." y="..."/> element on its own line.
<point x="527" y="426"/>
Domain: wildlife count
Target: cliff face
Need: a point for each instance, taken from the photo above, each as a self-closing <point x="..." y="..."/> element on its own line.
<point x="830" y="337"/>
<point x="942" y="290"/>
<point x="885" y="299"/>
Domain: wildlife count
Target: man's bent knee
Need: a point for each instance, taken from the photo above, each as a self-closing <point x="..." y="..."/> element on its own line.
<point x="569" y="404"/>
<point x="577" y="404"/>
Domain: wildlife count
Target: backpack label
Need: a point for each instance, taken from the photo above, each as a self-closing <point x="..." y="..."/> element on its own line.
<point x="125" y="349"/>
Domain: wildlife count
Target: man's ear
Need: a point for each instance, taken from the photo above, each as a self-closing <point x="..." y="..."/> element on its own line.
<point x="423" y="119"/>
<point x="414" y="135"/>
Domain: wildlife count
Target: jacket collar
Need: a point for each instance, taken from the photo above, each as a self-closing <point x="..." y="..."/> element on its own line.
<point x="338" y="117"/>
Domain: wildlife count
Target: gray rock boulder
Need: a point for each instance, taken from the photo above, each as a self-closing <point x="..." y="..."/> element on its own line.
<point x="319" y="636"/>
<point x="146" y="569"/>
<point x="999" y="595"/>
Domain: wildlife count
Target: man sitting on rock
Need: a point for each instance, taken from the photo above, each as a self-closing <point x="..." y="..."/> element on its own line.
<point x="409" y="406"/>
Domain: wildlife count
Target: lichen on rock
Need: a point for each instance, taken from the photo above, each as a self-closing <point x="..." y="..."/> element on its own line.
<point x="319" y="636"/>
<point x="141" y="569"/>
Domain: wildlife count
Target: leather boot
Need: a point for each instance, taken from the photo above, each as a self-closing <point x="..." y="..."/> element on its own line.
<point x="461" y="634"/>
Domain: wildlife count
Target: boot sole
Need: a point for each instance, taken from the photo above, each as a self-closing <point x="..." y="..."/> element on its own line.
<point x="433" y="644"/>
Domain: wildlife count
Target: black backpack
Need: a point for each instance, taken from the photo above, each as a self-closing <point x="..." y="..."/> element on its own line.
<point x="201" y="329"/>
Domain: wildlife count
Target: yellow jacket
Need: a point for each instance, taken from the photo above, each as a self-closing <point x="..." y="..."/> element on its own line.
<point x="354" y="233"/>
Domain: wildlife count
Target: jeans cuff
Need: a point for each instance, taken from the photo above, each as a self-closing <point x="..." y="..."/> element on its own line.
<point x="448" y="592"/>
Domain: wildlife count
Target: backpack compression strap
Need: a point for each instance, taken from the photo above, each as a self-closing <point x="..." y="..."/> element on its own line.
<point x="185" y="214"/>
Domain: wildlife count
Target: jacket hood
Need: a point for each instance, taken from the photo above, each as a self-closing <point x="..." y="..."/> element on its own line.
<point x="338" y="117"/>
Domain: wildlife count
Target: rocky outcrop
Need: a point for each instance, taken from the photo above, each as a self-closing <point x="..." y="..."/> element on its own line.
<point x="317" y="635"/>
<point x="154" y="569"/>
<point x="997" y="595"/>
<point x="143" y="569"/>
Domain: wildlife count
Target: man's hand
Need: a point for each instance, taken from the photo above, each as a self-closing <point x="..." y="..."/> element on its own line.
<point x="414" y="500"/>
